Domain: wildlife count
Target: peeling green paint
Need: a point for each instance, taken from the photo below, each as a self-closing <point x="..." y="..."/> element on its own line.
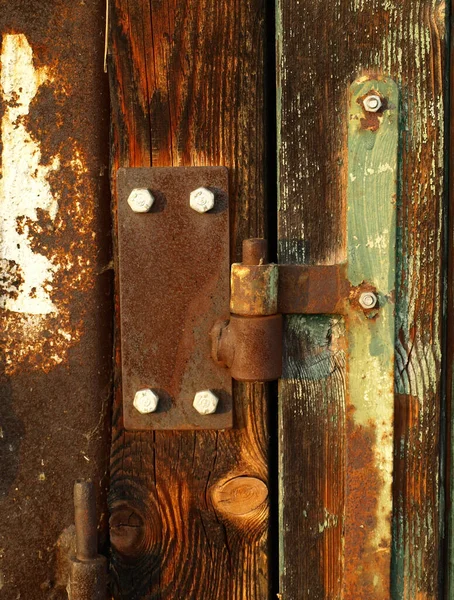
<point x="371" y="248"/>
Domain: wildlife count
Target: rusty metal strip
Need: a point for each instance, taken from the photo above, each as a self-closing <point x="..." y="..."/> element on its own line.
<point x="312" y="290"/>
<point x="371" y="241"/>
<point x="174" y="286"/>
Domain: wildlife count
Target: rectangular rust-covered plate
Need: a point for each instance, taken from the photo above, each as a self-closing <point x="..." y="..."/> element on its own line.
<point x="174" y="285"/>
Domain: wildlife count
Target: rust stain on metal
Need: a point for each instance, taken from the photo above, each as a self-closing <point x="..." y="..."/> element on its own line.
<point x="251" y="347"/>
<point x="313" y="289"/>
<point x="174" y="285"/>
<point x="88" y="574"/>
<point x="250" y="342"/>
<point x="366" y="568"/>
<point x="47" y="236"/>
<point x="55" y="285"/>
<point x="371" y="120"/>
<point x="254" y="282"/>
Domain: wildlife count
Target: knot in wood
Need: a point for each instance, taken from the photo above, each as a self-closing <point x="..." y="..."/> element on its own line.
<point x="127" y="531"/>
<point x="240" y="496"/>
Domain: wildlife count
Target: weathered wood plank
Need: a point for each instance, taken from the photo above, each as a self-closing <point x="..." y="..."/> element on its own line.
<point x="190" y="510"/>
<point x="449" y="466"/>
<point x="322" y="48"/>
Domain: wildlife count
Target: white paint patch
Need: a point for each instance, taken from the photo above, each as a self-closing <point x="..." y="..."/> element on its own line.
<point x="24" y="186"/>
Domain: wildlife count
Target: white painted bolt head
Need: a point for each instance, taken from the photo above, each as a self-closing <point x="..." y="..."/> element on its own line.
<point x="372" y="103"/>
<point x="146" y="401"/>
<point x="368" y="300"/>
<point x="205" y="402"/>
<point x="201" y="200"/>
<point x="140" y="200"/>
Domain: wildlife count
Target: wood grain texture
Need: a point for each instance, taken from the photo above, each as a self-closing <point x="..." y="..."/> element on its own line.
<point x="186" y="81"/>
<point x="449" y="467"/>
<point x="322" y="48"/>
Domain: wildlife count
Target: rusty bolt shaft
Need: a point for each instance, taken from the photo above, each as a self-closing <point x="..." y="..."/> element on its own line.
<point x="88" y="569"/>
<point x="255" y="251"/>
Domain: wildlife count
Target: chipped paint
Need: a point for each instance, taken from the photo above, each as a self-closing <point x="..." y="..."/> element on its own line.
<point x="40" y="202"/>
<point x="371" y="228"/>
<point x="24" y="186"/>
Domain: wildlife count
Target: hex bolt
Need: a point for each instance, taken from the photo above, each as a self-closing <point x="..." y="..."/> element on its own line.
<point x="368" y="300"/>
<point x="201" y="200"/>
<point x="372" y="103"/>
<point x="205" y="402"/>
<point x="146" y="401"/>
<point x="140" y="200"/>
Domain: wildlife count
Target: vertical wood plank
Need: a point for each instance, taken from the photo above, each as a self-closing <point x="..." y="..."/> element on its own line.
<point x="322" y="48"/>
<point x="449" y="466"/>
<point x="190" y="510"/>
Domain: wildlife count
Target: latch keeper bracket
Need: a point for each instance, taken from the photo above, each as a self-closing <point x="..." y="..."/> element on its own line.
<point x="250" y="344"/>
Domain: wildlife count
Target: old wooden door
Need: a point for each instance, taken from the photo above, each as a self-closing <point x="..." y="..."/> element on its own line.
<point x="334" y="482"/>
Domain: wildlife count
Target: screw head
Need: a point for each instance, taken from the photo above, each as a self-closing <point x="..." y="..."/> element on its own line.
<point x="145" y="401"/>
<point x="140" y="200"/>
<point x="201" y="200"/>
<point x="372" y="103"/>
<point x="368" y="300"/>
<point x="205" y="402"/>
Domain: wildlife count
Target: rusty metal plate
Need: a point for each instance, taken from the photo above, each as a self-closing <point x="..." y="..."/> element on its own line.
<point x="318" y="289"/>
<point x="174" y="274"/>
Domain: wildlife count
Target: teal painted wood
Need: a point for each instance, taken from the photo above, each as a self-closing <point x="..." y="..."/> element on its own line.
<point x="371" y="251"/>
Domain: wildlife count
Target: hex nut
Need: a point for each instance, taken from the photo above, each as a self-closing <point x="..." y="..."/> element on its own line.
<point x="140" y="200"/>
<point x="146" y="401"/>
<point x="205" y="402"/>
<point x="368" y="300"/>
<point x="201" y="200"/>
<point x="372" y="103"/>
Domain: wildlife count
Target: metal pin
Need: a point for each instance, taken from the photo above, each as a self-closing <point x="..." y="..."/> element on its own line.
<point x="85" y="520"/>
<point x="88" y="569"/>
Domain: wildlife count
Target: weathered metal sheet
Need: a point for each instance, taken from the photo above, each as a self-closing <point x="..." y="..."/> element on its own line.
<point x="174" y="285"/>
<point x="371" y="245"/>
<point x="316" y="289"/>
<point x="55" y="279"/>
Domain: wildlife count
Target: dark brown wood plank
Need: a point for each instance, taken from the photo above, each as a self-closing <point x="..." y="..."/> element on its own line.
<point x="322" y="48"/>
<point x="190" y="510"/>
<point x="449" y="466"/>
<point x="55" y="339"/>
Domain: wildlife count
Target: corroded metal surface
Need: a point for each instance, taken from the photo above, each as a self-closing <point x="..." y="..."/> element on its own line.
<point x="254" y="282"/>
<point x="174" y="285"/>
<point x="88" y="574"/>
<point x="55" y="307"/>
<point x="251" y="347"/>
<point x="305" y="289"/>
<point x="250" y="342"/>
<point x="371" y="245"/>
